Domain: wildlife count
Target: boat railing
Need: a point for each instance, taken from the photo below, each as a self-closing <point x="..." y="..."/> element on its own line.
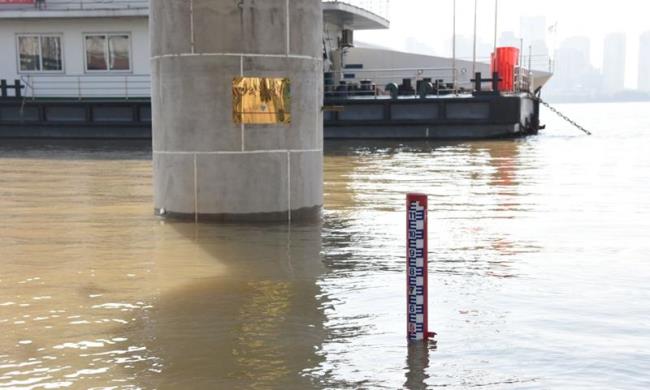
<point x="522" y="79"/>
<point x="87" y="86"/>
<point x="375" y="82"/>
<point x="79" y="5"/>
<point x="377" y="7"/>
<point x="541" y="62"/>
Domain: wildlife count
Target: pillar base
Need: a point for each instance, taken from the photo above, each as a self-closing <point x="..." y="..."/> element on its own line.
<point x="307" y="214"/>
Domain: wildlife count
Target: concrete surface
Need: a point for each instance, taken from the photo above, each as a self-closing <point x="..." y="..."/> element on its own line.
<point x="207" y="167"/>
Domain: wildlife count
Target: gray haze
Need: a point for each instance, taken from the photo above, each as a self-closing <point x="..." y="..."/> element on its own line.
<point x="425" y="26"/>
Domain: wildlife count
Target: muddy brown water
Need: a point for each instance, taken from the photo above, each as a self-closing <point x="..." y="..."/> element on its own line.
<point x="540" y="262"/>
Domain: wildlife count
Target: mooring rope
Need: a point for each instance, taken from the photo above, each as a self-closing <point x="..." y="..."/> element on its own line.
<point x="566" y="118"/>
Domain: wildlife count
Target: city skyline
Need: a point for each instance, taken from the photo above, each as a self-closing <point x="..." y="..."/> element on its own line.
<point x="573" y="63"/>
<point x="569" y="18"/>
<point x="614" y="62"/>
<point x="644" y="62"/>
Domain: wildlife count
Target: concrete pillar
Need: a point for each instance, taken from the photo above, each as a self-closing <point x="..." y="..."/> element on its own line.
<point x="207" y="166"/>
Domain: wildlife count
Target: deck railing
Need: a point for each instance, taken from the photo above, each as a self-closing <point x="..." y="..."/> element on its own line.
<point x="359" y="82"/>
<point x="377" y="7"/>
<point x="87" y="87"/>
<point x="523" y="80"/>
<point x="78" y="5"/>
<point x="375" y="82"/>
<point x="541" y="62"/>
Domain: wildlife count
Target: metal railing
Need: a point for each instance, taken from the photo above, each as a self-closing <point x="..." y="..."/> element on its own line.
<point x="377" y="7"/>
<point x="87" y="87"/>
<point x="374" y="82"/>
<point x="539" y="62"/>
<point x="523" y="80"/>
<point x="535" y="62"/>
<point x="78" y="5"/>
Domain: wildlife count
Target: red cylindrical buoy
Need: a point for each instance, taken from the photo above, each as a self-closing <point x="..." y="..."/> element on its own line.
<point x="504" y="62"/>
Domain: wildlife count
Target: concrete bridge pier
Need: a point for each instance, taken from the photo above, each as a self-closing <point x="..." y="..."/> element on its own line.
<point x="236" y="100"/>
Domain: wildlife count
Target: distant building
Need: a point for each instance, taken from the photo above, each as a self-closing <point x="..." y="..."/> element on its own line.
<point x="582" y="46"/>
<point x="465" y="49"/>
<point x="574" y="73"/>
<point x="644" y="63"/>
<point x="533" y="31"/>
<point x="533" y="28"/>
<point x="614" y="63"/>
<point x="508" y="38"/>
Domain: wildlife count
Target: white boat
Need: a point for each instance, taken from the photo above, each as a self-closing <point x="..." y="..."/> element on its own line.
<point x="83" y="66"/>
<point x="100" y="48"/>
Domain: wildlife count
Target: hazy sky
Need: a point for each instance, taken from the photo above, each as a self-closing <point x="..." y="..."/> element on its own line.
<point x="429" y="21"/>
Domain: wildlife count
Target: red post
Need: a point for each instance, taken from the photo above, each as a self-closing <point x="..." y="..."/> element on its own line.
<point x="417" y="267"/>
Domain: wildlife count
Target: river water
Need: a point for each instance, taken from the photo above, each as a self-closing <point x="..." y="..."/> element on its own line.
<point x="539" y="273"/>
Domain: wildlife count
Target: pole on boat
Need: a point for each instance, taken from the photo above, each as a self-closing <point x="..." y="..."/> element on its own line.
<point x="521" y="64"/>
<point x="475" y="24"/>
<point x="453" y="49"/>
<point x="496" y="23"/>
<point x="416" y="268"/>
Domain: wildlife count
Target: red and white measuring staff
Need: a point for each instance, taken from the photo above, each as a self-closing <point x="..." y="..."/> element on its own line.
<point x="416" y="268"/>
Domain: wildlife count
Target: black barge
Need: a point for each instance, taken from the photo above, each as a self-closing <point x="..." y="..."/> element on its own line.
<point x="399" y="112"/>
<point x="443" y="117"/>
<point x="453" y="117"/>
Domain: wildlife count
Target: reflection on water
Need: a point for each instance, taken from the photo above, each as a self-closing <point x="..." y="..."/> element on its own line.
<point x="475" y="193"/>
<point x="538" y="253"/>
<point x="417" y="365"/>
<point x="257" y="323"/>
<point x="98" y="292"/>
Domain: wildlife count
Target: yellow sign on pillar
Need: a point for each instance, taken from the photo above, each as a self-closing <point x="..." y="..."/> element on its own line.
<point x="261" y="100"/>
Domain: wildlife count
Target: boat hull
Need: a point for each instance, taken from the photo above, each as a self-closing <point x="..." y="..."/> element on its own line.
<point x="451" y="117"/>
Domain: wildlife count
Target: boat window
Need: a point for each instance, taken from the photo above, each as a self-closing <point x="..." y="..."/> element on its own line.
<point x="119" y="52"/>
<point x="40" y="53"/>
<point x="96" y="53"/>
<point x="51" y="53"/>
<point x="108" y="52"/>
